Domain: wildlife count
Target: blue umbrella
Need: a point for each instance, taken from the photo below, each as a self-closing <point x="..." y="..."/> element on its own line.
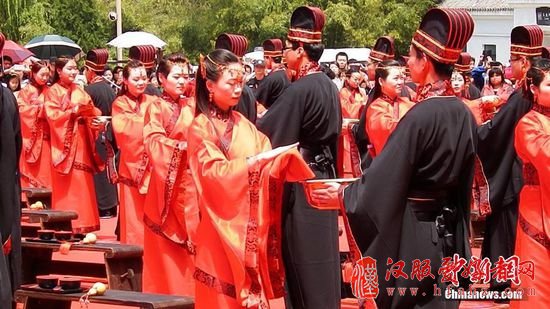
<point x="52" y="45"/>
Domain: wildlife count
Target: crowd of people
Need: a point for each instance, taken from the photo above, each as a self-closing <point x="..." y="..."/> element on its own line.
<point x="208" y="169"/>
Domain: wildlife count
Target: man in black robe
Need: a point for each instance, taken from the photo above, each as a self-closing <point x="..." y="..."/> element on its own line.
<point x="308" y="112"/>
<point x="238" y="45"/>
<point x="10" y="193"/>
<point x="501" y="165"/>
<point x="413" y="201"/>
<point x="277" y="80"/>
<point x="103" y="96"/>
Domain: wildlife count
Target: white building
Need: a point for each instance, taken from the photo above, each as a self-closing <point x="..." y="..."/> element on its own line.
<point x="495" y="19"/>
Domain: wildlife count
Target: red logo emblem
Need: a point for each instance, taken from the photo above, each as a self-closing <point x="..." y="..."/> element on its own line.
<point x="364" y="279"/>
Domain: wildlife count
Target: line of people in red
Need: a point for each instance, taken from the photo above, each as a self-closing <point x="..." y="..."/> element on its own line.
<point x="215" y="199"/>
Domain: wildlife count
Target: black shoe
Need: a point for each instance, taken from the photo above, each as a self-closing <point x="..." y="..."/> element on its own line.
<point x="107" y="213"/>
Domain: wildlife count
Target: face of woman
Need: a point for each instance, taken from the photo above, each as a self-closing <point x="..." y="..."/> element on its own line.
<point x="354" y="80"/>
<point x="108" y="75"/>
<point x="226" y="92"/>
<point x="118" y="77"/>
<point x="41" y="77"/>
<point x="417" y="66"/>
<point x="13" y="83"/>
<point x="542" y="92"/>
<point x="457" y="82"/>
<point x="69" y="72"/>
<point x="174" y="83"/>
<point x="496" y="80"/>
<point x="393" y="84"/>
<point x="137" y="81"/>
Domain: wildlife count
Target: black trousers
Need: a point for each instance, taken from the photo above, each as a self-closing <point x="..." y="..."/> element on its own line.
<point x="310" y="252"/>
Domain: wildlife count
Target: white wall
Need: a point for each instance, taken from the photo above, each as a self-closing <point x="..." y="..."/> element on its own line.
<point x="491" y="30"/>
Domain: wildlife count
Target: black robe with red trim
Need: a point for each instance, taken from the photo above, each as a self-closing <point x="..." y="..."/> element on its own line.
<point x="10" y="192"/>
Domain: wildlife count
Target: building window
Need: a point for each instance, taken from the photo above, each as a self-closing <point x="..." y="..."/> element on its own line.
<point x="490" y="50"/>
<point x="543" y="16"/>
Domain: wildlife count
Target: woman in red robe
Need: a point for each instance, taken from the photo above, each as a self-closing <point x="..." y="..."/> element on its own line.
<point x="35" y="162"/>
<point x="532" y="143"/>
<point x="387" y="107"/>
<point x="171" y="210"/>
<point x="481" y="109"/>
<point x="239" y="185"/>
<point x="129" y="110"/>
<point x="352" y="101"/>
<point x="74" y="159"/>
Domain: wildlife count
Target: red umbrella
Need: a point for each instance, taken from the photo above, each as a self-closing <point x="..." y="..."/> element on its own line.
<point x="15" y="52"/>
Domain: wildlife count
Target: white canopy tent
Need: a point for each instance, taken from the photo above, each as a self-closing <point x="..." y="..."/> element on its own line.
<point x="329" y="55"/>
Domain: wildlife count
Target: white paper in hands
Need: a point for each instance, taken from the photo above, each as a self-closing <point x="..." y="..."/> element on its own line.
<point x="273" y="153"/>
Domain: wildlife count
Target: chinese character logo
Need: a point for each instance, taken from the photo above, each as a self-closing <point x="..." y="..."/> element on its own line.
<point x="364" y="279"/>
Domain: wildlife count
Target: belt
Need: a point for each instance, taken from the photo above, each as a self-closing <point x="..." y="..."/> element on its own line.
<point x="427" y="205"/>
<point x="6" y="247"/>
<point x="319" y="157"/>
<point x="425" y="210"/>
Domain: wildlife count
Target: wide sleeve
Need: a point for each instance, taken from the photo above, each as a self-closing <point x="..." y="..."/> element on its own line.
<point x="126" y="122"/>
<point x="532" y="143"/>
<point x="380" y="122"/>
<point x="214" y="174"/>
<point x="31" y="114"/>
<point x="374" y="204"/>
<point x="282" y="121"/>
<point x="63" y="128"/>
<point x="168" y="156"/>
<point x="496" y="150"/>
<point x="475" y="107"/>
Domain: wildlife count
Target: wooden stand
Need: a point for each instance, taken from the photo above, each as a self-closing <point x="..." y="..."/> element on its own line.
<point x="57" y="220"/>
<point x="123" y="263"/>
<point x="46" y="300"/>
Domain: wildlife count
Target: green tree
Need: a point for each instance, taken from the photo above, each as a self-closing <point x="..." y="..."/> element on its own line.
<point x="11" y="13"/>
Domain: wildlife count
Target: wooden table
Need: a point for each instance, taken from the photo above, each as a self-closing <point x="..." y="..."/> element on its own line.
<point x="38" y="194"/>
<point x="46" y="300"/>
<point x="123" y="263"/>
<point x="59" y="220"/>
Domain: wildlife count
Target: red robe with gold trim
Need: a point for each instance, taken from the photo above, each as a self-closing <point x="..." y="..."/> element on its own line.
<point x="171" y="210"/>
<point x="134" y="166"/>
<point x="35" y="162"/>
<point x="238" y="260"/>
<point x="383" y="117"/>
<point x="532" y="143"/>
<point x="73" y="154"/>
<point x="351" y="103"/>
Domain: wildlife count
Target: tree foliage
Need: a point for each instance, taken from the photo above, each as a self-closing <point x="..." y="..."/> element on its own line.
<point x="193" y="25"/>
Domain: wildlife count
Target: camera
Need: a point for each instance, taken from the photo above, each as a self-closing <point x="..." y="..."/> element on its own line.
<point x="112" y="16"/>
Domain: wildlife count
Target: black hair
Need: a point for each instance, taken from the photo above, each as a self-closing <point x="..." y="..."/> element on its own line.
<point x="535" y="75"/>
<point x="9" y="77"/>
<point x="326" y="69"/>
<point x="313" y="51"/>
<point x="168" y="62"/>
<point x="382" y="71"/>
<point x="341" y="54"/>
<point x="132" y="64"/>
<point x="212" y="72"/>
<point x="6" y="57"/>
<point x="117" y="69"/>
<point x="495" y="71"/>
<point x="443" y="70"/>
<point x="60" y="63"/>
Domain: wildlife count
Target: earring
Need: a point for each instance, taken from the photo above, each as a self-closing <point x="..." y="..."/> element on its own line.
<point x="210" y="97"/>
